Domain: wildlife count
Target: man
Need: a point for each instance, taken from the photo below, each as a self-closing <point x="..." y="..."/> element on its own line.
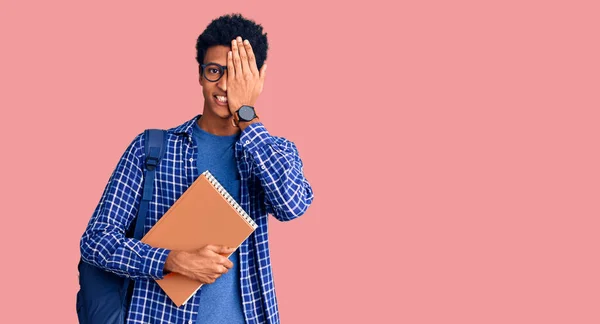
<point x="264" y="173"/>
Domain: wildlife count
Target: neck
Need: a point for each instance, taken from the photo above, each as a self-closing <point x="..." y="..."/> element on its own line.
<point x="216" y="125"/>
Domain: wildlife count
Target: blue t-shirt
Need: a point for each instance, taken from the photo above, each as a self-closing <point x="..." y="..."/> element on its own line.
<point x="221" y="301"/>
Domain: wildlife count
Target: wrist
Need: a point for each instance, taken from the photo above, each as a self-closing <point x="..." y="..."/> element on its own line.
<point x="244" y="116"/>
<point x="173" y="262"/>
<point x="242" y="124"/>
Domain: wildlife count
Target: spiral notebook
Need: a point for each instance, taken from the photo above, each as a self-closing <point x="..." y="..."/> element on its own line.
<point x="204" y="214"/>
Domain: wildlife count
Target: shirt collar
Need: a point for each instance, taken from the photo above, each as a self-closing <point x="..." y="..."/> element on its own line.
<point x="185" y="128"/>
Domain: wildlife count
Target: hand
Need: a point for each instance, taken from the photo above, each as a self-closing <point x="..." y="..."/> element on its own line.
<point x="204" y="265"/>
<point x="244" y="80"/>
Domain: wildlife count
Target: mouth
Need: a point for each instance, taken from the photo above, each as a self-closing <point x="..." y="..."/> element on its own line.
<point x="221" y="100"/>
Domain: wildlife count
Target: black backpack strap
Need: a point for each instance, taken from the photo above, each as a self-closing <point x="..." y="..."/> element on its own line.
<point x="155" y="146"/>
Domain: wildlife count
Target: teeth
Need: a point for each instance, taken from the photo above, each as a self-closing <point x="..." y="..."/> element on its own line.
<point x="221" y="98"/>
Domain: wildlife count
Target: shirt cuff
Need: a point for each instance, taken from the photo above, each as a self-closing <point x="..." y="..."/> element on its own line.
<point x="154" y="262"/>
<point x="255" y="136"/>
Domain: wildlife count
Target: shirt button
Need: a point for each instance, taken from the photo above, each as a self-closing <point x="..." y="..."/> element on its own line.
<point x="191" y="159"/>
<point x="247" y="142"/>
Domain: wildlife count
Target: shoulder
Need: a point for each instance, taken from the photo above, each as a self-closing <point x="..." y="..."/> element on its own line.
<point x="134" y="151"/>
<point x="171" y="135"/>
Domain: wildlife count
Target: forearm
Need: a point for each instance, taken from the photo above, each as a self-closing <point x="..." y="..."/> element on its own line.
<point x="276" y="162"/>
<point x="126" y="257"/>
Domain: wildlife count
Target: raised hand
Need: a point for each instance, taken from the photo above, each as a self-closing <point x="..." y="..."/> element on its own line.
<point x="244" y="80"/>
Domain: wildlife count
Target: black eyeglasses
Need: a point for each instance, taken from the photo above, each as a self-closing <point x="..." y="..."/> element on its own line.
<point x="212" y="72"/>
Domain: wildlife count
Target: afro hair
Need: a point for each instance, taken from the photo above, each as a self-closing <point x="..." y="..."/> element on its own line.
<point x="222" y="30"/>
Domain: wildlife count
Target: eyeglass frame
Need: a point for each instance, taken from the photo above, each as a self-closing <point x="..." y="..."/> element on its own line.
<point x="222" y="69"/>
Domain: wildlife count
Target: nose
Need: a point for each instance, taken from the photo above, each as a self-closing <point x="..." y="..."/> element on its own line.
<point x="222" y="83"/>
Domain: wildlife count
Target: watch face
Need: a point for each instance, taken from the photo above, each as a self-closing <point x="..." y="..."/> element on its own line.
<point x="246" y="113"/>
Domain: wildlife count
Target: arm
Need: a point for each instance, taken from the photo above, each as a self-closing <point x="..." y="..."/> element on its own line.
<point x="276" y="162"/>
<point x="103" y="243"/>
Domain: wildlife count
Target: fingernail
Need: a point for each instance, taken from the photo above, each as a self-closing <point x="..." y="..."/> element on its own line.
<point x="239" y="39"/>
<point x="246" y="42"/>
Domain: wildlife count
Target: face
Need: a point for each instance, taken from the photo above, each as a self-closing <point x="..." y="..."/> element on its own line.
<point x="212" y="91"/>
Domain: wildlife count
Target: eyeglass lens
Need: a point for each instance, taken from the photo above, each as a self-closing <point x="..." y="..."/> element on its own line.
<point x="213" y="72"/>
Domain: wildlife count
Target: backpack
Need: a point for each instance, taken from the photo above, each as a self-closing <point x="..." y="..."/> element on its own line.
<point x="103" y="296"/>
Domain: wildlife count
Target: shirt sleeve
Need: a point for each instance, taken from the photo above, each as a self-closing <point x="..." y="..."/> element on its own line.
<point x="103" y="243"/>
<point x="277" y="164"/>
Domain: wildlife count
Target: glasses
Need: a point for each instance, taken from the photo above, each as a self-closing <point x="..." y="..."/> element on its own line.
<point x="212" y="72"/>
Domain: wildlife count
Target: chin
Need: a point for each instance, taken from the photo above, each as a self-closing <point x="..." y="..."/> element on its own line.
<point x="221" y="111"/>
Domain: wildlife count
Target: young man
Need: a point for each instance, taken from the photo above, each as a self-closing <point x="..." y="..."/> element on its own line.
<point x="264" y="173"/>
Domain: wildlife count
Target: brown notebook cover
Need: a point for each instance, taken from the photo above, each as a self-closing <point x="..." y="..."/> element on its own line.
<point x="204" y="214"/>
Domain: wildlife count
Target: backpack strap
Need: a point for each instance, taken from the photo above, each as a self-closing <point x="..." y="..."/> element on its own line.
<point x="155" y="146"/>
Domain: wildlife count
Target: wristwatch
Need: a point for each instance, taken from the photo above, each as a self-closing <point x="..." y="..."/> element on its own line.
<point x="245" y="114"/>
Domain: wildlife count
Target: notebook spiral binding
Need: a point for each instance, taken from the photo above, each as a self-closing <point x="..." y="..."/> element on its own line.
<point x="229" y="198"/>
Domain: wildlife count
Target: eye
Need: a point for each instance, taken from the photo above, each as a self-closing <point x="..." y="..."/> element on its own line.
<point x="213" y="70"/>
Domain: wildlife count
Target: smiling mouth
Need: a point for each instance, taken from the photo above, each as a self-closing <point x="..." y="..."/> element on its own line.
<point x="221" y="99"/>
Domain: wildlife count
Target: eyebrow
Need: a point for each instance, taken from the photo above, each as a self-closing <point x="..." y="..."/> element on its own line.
<point x="207" y="63"/>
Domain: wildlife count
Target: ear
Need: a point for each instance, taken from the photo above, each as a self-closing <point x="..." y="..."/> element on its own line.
<point x="200" y="75"/>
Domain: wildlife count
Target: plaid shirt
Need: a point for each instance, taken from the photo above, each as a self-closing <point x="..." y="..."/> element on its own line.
<point x="272" y="182"/>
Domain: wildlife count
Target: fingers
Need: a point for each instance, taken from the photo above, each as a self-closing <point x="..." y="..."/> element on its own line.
<point x="230" y="66"/>
<point x="247" y="72"/>
<point x="251" y="57"/>
<point x="217" y="272"/>
<point x="221" y="270"/>
<point x="212" y="247"/>
<point x="220" y="249"/>
<point x="237" y="62"/>
<point x="247" y="60"/>
<point x="226" y="263"/>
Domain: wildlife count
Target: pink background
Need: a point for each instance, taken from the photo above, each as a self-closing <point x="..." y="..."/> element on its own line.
<point x="452" y="147"/>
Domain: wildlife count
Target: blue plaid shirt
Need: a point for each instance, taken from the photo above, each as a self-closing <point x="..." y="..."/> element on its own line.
<point x="272" y="182"/>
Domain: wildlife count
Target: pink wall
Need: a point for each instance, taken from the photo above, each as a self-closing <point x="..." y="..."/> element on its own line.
<point x="452" y="148"/>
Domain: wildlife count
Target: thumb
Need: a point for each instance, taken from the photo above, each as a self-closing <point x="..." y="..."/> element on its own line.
<point x="220" y="249"/>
